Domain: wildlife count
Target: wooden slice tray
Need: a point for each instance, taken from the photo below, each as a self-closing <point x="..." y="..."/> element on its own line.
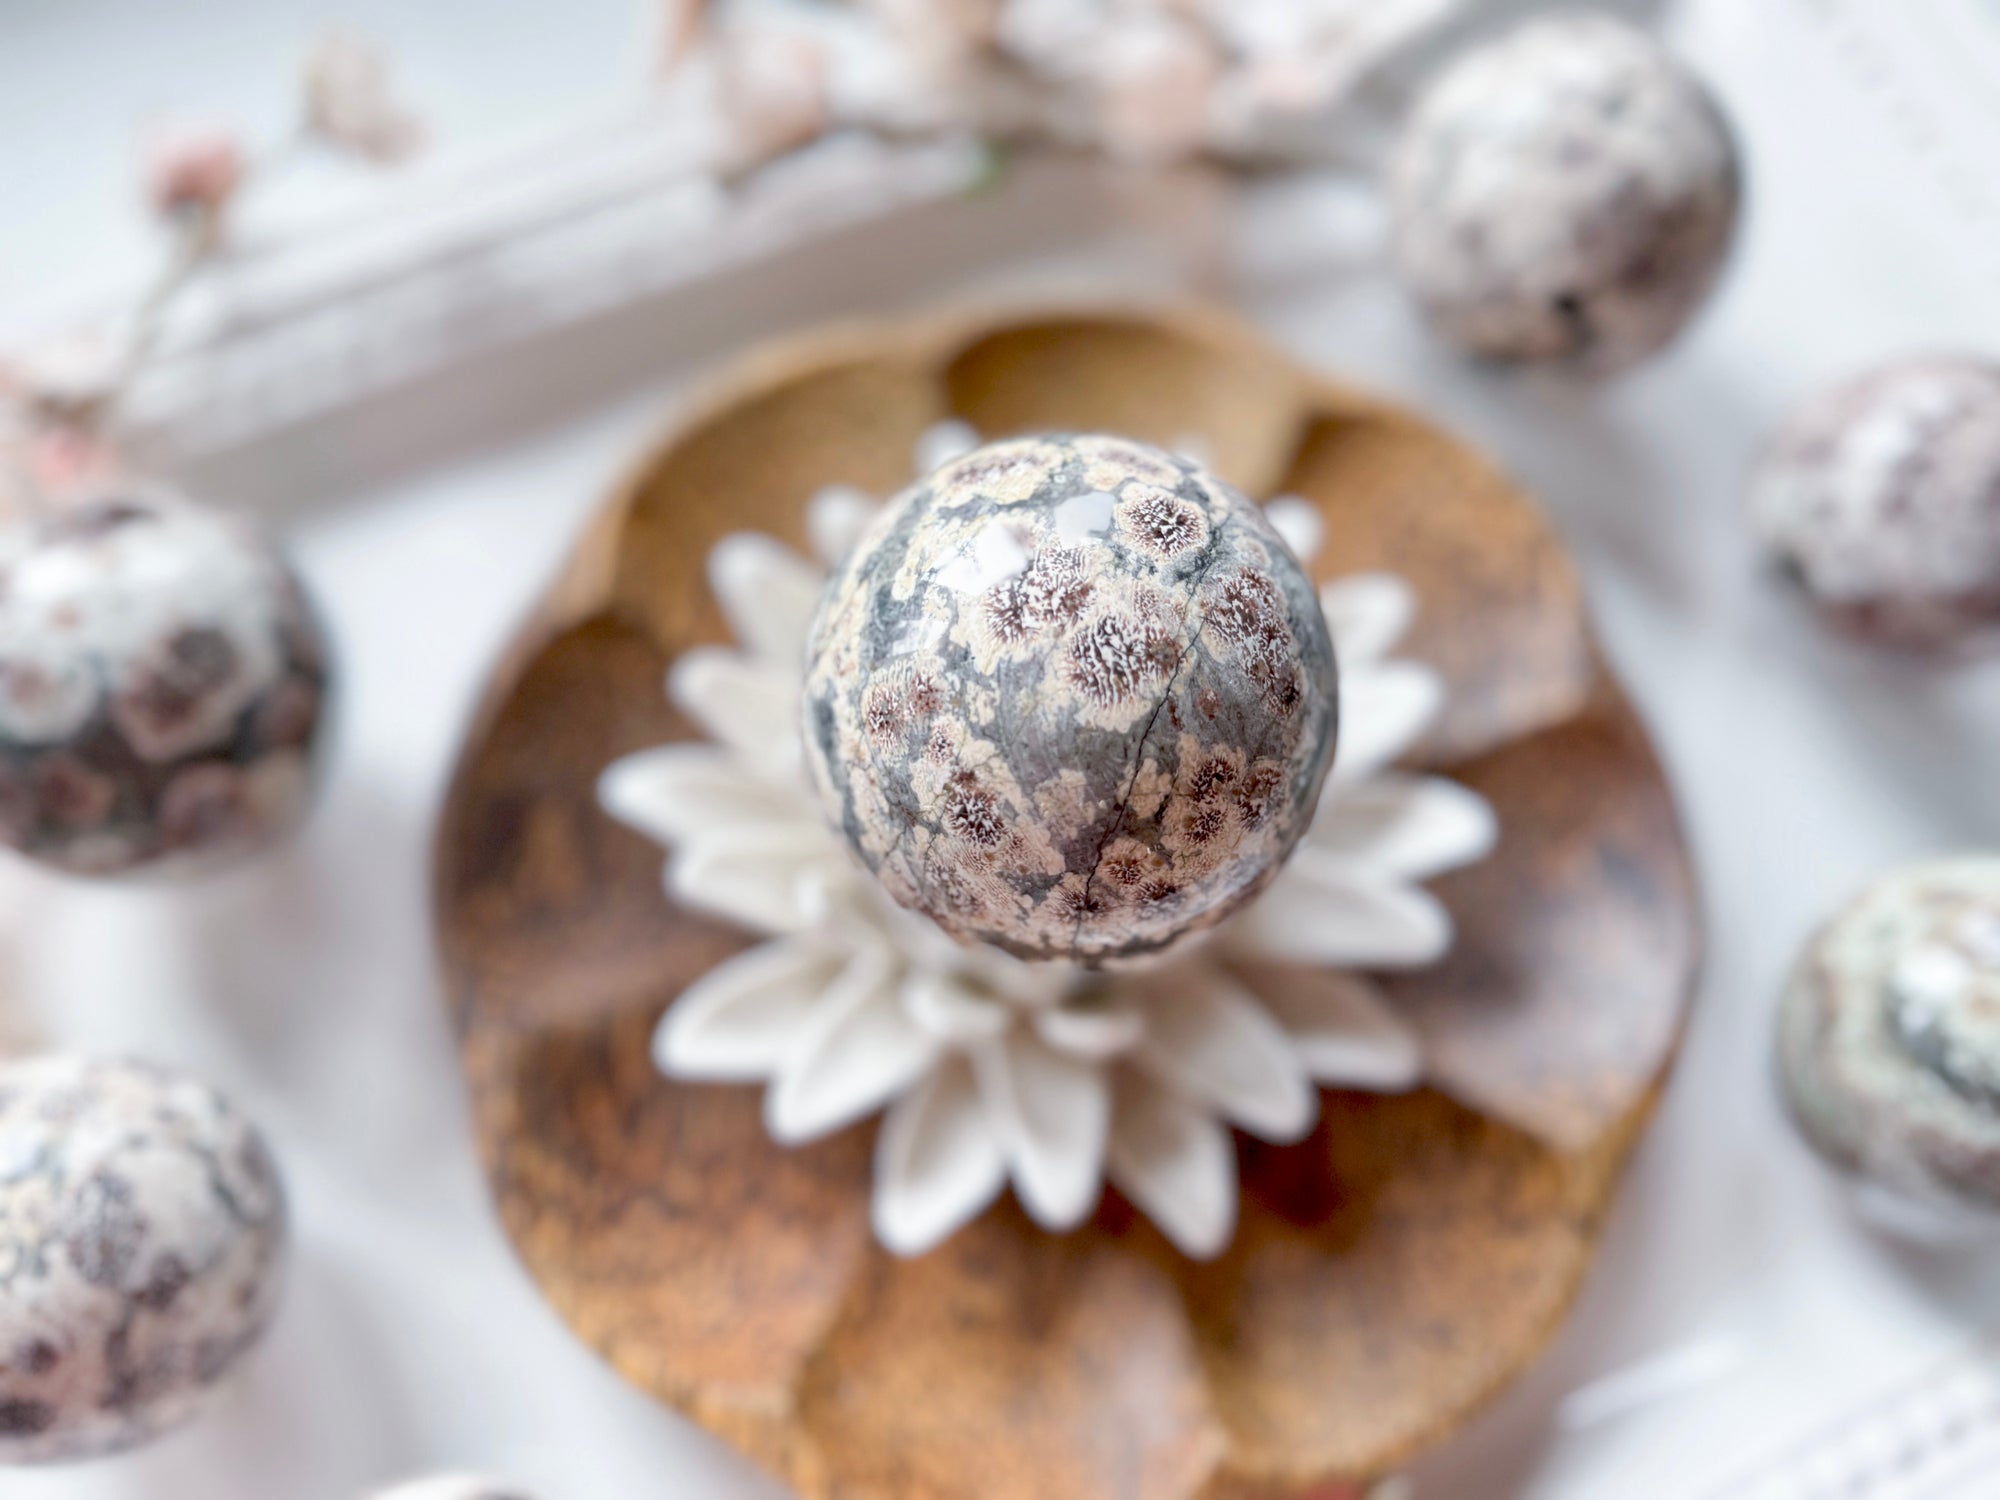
<point x="1390" y="1274"/>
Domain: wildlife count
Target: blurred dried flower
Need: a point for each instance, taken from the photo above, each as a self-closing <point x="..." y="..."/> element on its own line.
<point x="1300" y="58"/>
<point x="1144" y="80"/>
<point x="193" y="170"/>
<point x="53" y="402"/>
<point x="72" y="460"/>
<point x="771" y="79"/>
<point x="41" y="458"/>
<point x="929" y="66"/>
<point x="58" y="400"/>
<point x="1155" y="77"/>
<point x="69" y="380"/>
<point x="956" y="27"/>
<point x="1054" y="37"/>
<point x="350" y="100"/>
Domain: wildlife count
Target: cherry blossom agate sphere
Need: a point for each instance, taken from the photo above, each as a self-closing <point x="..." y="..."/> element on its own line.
<point x="1567" y="192"/>
<point x="1889" y="1037"/>
<point x="1881" y="497"/>
<point x="1071" y="696"/>
<point x="161" y="688"/>
<point x="142" y="1230"/>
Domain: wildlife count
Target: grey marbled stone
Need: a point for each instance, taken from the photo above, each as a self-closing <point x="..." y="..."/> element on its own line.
<point x="1071" y="696"/>
<point x="1889" y="1035"/>
<point x="142" y="1230"/>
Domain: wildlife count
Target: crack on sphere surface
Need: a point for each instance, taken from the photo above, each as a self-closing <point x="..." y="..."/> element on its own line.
<point x="1071" y="696"/>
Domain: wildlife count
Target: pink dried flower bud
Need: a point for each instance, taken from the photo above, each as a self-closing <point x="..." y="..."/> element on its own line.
<point x="193" y="169"/>
<point x="1156" y="78"/>
<point x="774" y="88"/>
<point x="69" y="380"/>
<point x="1053" y="37"/>
<point x="350" y="100"/>
<point x="71" y="460"/>
<point x="951" y="28"/>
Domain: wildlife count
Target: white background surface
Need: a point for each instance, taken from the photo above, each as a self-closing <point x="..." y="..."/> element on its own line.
<point x="410" y="1339"/>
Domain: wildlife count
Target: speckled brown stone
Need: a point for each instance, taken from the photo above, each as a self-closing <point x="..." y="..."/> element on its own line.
<point x="162" y="687"/>
<point x="141" y="1236"/>
<point x="1389" y="1275"/>
<point x="1072" y="697"/>
<point x="1566" y="192"/>
<point x="1881" y="497"/>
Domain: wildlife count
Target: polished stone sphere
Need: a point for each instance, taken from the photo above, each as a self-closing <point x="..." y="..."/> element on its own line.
<point x="142" y="1233"/>
<point x="1071" y="696"/>
<point x="1889" y="1037"/>
<point x="1880" y="497"/>
<point x="162" y="688"/>
<point x="1565" y="193"/>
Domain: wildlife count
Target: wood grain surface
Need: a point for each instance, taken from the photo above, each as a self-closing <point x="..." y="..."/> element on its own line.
<point x="1390" y="1273"/>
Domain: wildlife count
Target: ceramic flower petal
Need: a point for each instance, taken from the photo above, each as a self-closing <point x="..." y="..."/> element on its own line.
<point x="770" y="880"/>
<point x="1367" y="614"/>
<point x="1209" y="1039"/>
<point x="680" y="791"/>
<point x="1109" y="1028"/>
<point x="740" y="1019"/>
<point x="857" y="1053"/>
<point x="1324" y="909"/>
<point x="950" y="1010"/>
<point x="941" y="443"/>
<point x="937" y="1164"/>
<point x="1051" y="1113"/>
<point x="1384" y="710"/>
<point x="835" y="518"/>
<point x="1176" y="1163"/>
<point x="1344" y="1032"/>
<point x="768" y="593"/>
<point x="1030" y="986"/>
<point x="1412" y="827"/>
<point x="750" y="705"/>
<point x="1298" y="522"/>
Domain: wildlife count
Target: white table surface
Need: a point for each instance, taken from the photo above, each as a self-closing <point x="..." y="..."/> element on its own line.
<point x="410" y="1339"/>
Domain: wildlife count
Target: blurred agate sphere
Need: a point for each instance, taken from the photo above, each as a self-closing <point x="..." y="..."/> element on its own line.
<point x="1071" y="696"/>
<point x="162" y="688"/>
<point x="1565" y="193"/>
<point x="1889" y="1043"/>
<point x="142" y="1236"/>
<point x="1881" y="497"/>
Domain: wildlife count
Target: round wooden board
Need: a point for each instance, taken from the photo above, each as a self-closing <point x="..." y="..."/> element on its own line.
<point x="1390" y="1274"/>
